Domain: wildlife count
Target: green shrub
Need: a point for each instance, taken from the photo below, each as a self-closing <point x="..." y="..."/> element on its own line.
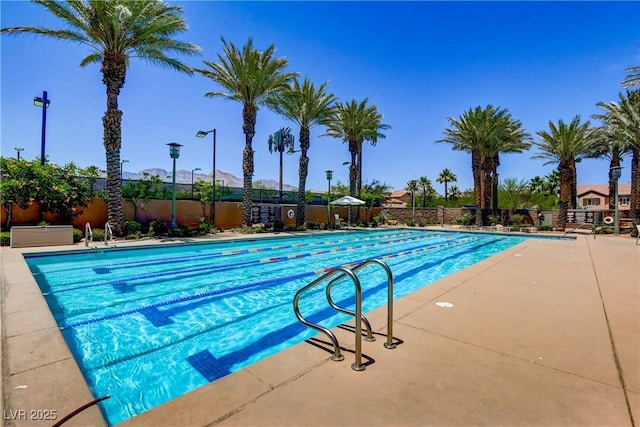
<point x="157" y="227"/>
<point x="278" y="225"/>
<point x="545" y="228"/>
<point x="205" y="228"/>
<point x="77" y="235"/>
<point x="517" y="219"/>
<point x="313" y="225"/>
<point x="410" y="223"/>
<point x="5" y="238"/>
<point x="98" y="234"/>
<point x="465" y="219"/>
<point x="181" y="230"/>
<point x="132" y="227"/>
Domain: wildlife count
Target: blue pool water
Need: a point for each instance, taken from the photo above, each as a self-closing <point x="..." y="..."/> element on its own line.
<point x="147" y="325"/>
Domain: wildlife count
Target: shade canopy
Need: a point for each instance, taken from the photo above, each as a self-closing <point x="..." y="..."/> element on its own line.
<point x="348" y="201"/>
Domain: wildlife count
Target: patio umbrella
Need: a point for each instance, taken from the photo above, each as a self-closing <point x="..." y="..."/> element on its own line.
<point x="348" y="201"/>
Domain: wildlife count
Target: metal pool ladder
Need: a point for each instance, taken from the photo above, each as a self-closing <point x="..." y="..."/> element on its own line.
<point x="342" y="273"/>
<point x="108" y="233"/>
<point x="88" y="234"/>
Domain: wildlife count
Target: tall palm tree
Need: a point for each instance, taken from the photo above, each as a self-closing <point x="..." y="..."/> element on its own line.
<point x="117" y="31"/>
<point x="445" y="177"/>
<point x="413" y="186"/>
<point x="514" y="139"/>
<point x="306" y="106"/>
<point x="565" y="144"/>
<point x="609" y="145"/>
<point x="484" y="132"/>
<point x="356" y="122"/>
<point x="623" y="117"/>
<point x="454" y="193"/>
<point x="251" y="77"/>
<point x="427" y="189"/>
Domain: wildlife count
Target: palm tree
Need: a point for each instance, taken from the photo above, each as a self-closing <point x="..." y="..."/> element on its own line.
<point x="427" y="189"/>
<point x="454" y="193"/>
<point x="623" y="119"/>
<point x="306" y="106"/>
<point x="611" y="146"/>
<point x="117" y="31"/>
<point x="485" y="132"/>
<point x="412" y="187"/>
<point x="513" y="140"/>
<point x="445" y="177"/>
<point x="356" y="122"/>
<point x="251" y="77"/>
<point x="565" y="145"/>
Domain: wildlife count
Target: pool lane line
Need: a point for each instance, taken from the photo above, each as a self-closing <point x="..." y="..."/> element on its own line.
<point x="238" y="251"/>
<point x="226" y="266"/>
<point x="271" y="282"/>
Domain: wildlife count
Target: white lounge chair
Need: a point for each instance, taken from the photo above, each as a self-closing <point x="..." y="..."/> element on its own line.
<point x="638" y="235"/>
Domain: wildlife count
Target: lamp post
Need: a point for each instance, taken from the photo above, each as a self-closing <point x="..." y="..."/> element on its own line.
<point x="174" y="152"/>
<point x="192" y="171"/>
<point x="18" y="150"/>
<point x="616" y="172"/>
<point x="44" y="103"/>
<point x="202" y="134"/>
<point x="329" y="173"/>
<point x="122" y="162"/>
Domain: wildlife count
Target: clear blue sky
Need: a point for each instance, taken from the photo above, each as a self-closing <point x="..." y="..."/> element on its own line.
<point x="419" y="62"/>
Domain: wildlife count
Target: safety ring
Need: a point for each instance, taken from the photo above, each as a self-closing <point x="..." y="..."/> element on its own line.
<point x="291" y="213"/>
<point x="608" y="220"/>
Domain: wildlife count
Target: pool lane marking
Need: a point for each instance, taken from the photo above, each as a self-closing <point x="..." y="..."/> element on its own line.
<point x="268" y="282"/>
<point x="243" y="251"/>
<point x="226" y="266"/>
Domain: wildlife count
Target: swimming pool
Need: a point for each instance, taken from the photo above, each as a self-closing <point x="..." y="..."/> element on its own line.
<point x="147" y="325"/>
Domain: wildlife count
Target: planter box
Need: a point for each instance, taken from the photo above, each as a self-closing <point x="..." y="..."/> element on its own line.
<point x="34" y="235"/>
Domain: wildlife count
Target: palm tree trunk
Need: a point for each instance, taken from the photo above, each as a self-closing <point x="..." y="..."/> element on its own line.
<point x="635" y="184"/>
<point x="113" y="76"/>
<point x="446" y="198"/>
<point x="574" y="186"/>
<point x="353" y="174"/>
<point x="477" y="184"/>
<point x="566" y="180"/>
<point x="249" y="114"/>
<point x="424" y="197"/>
<point x="494" y="185"/>
<point x="303" y="170"/>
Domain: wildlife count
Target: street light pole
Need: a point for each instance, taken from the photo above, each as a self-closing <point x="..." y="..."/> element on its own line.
<point x="192" y="171"/>
<point x="616" y="172"/>
<point x="44" y="103"/>
<point x="202" y="134"/>
<point x="18" y="150"/>
<point x="122" y="162"/>
<point x="329" y="173"/>
<point x="174" y="152"/>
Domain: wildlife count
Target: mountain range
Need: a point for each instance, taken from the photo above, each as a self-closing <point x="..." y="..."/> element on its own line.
<point x="184" y="177"/>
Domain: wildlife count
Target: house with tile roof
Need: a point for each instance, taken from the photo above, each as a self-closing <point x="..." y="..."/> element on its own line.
<point x="596" y="197"/>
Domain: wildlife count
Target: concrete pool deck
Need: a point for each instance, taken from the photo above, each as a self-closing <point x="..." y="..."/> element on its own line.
<point x="546" y="333"/>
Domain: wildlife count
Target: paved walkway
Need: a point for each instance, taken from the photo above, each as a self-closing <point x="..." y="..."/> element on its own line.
<point x="546" y="334"/>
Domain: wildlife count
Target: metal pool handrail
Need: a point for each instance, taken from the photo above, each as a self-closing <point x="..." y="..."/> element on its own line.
<point x="389" y="344"/>
<point x="108" y="233"/>
<point x="88" y="234"/>
<point x="357" y="365"/>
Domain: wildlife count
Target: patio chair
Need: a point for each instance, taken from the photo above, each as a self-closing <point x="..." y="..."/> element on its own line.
<point x="338" y="221"/>
<point x="637" y="235"/>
